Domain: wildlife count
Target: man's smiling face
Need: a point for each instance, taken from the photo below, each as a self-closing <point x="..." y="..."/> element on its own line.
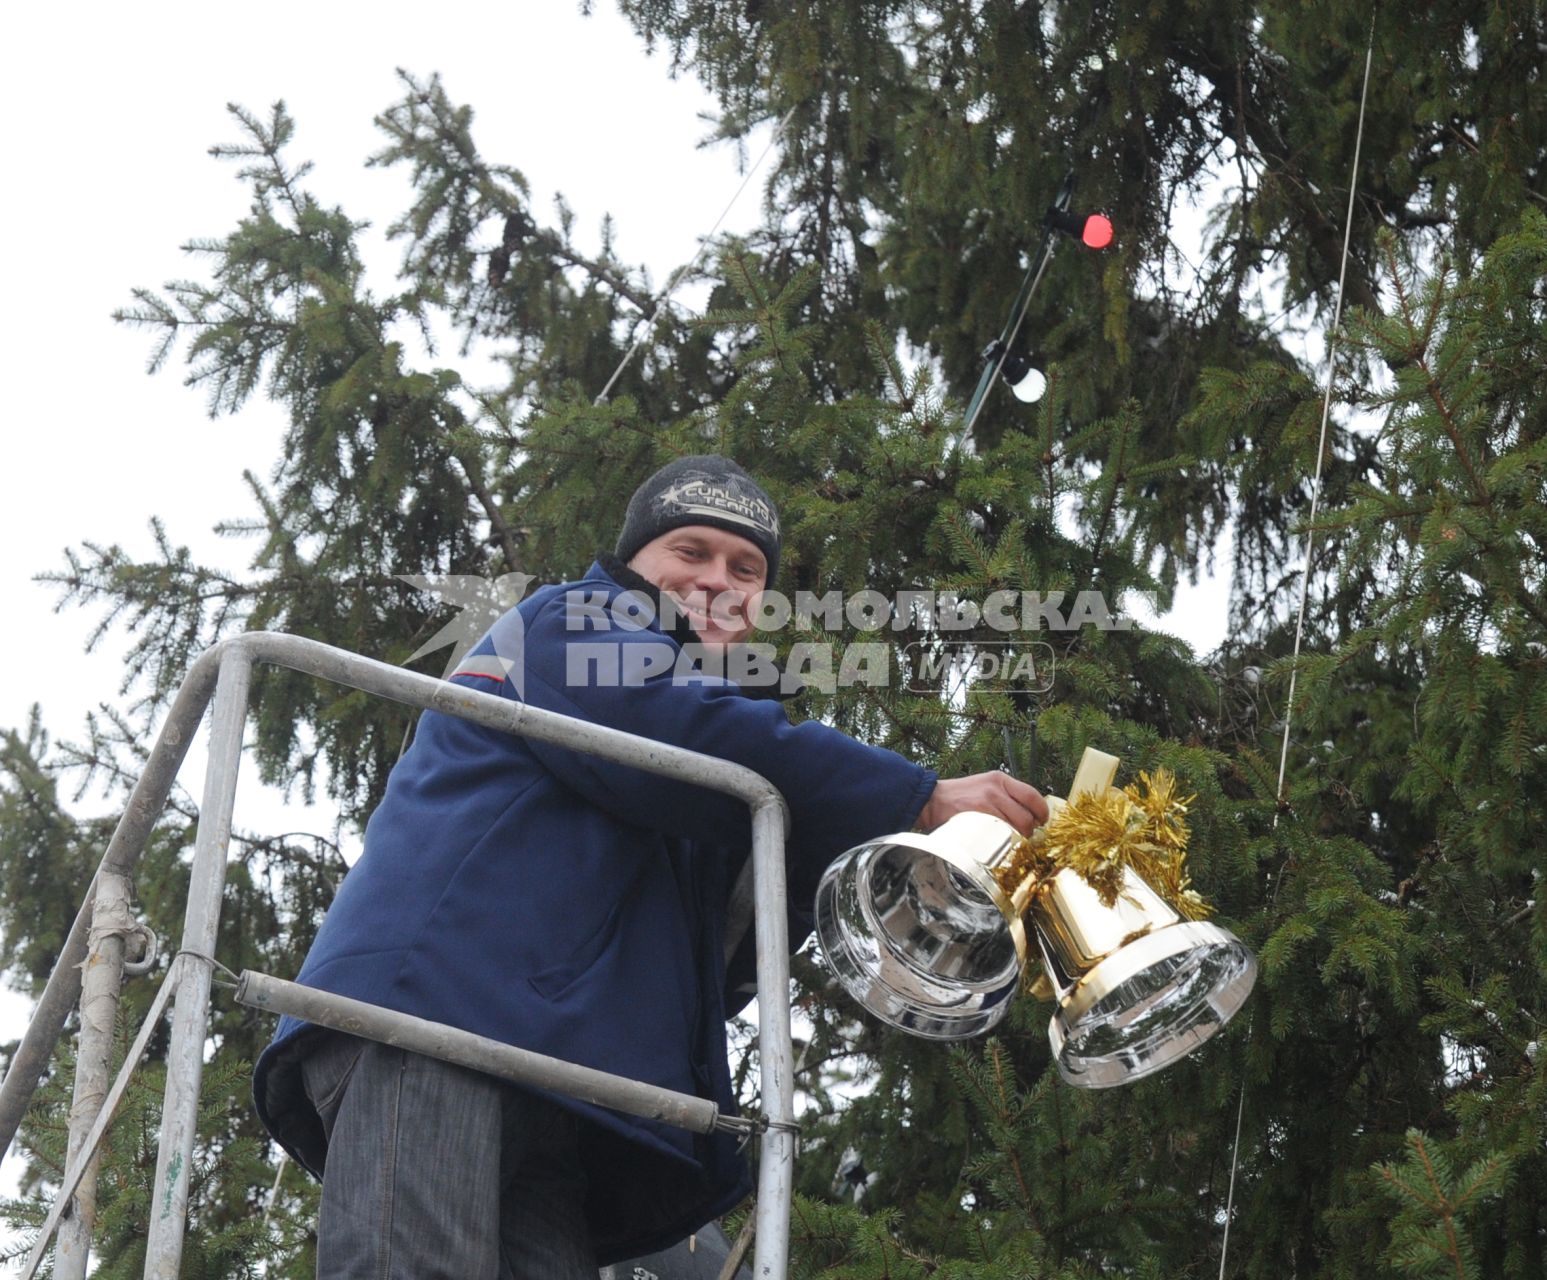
<point x="715" y="577"/>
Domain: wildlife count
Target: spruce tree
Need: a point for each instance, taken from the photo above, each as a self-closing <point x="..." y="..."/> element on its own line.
<point x="1388" y="1069"/>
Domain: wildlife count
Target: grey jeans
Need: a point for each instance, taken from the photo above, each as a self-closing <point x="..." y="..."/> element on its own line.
<point x="434" y="1171"/>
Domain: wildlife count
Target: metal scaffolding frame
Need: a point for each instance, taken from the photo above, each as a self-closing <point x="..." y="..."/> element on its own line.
<point x="97" y="946"/>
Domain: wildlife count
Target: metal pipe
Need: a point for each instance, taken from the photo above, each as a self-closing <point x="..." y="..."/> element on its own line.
<point x="233" y="660"/>
<point x="146" y="803"/>
<point x="111" y="924"/>
<point x="775" y="1050"/>
<point x="46" y="1025"/>
<point x="314" y="658"/>
<point x="104" y="1117"/>
<point x="464" y="1049"/>
<point x="317" y="659"/>
<point x="185" y="1057"/>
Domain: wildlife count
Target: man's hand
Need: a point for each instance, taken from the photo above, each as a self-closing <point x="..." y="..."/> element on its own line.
<point x="1019" y="804"/>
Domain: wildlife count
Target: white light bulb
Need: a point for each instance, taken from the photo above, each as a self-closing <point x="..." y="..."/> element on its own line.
<point x="1031" y="386"/>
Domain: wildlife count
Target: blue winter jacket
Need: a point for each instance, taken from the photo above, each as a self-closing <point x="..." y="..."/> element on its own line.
<point x="552" y="900"/>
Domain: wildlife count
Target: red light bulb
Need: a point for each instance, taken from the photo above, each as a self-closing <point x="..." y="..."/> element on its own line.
<point x="1098" y="231"/>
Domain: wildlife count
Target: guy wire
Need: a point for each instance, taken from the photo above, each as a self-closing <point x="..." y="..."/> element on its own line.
<point x="676" y="276"/>
<point x="1305" y="569"/>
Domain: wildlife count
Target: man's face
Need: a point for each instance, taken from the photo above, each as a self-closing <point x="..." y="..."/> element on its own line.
<point x="715" y="577"/>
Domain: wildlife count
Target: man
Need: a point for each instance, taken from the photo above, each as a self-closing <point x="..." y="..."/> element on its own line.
<point x="553" y="900"/>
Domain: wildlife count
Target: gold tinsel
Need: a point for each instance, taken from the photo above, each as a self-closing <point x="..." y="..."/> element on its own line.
<point x="1143" y="826"/>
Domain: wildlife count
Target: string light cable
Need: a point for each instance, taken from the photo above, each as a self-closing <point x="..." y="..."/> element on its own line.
<point x="1326" y="412"/>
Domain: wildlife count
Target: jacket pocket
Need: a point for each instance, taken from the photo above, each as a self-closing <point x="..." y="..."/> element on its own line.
<point x="553" y="982"/>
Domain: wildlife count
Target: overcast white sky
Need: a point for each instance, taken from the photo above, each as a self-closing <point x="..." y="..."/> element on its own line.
<point x="112" y="110"/>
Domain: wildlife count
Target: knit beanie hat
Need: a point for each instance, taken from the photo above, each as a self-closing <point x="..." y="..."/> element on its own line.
<point x="704" y="489"/>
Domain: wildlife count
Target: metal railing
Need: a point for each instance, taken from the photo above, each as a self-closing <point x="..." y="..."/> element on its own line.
<point x="97" y="945"/>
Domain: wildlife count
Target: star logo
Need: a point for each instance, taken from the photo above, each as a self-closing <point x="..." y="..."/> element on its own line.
<point x="480" y="604"/>
<point x="698" y="494"/>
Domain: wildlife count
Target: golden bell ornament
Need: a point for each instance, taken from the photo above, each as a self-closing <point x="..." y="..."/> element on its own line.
<point x="934" y="933"/>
